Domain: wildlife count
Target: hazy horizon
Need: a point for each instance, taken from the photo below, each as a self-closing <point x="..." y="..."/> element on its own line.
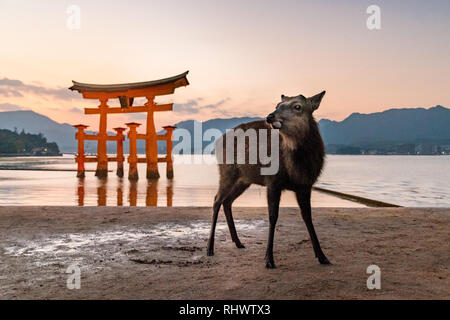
<point x="231" y="117"/>
<point x="242" y="55"/>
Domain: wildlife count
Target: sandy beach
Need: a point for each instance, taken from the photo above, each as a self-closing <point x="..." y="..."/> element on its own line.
<point x="159" y="253"/>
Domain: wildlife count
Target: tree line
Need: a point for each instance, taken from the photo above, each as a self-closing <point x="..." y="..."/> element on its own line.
<point x="13" y="142"/>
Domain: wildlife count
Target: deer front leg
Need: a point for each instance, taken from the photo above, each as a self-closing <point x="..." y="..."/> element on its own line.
<point x="273" y="200"/>
<point x="304" y="201"/>
<point x="216" y="208"/>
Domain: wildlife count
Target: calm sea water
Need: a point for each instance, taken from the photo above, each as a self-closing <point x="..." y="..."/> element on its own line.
<point x="402" y="180"/>
<point x="419" y="181"/>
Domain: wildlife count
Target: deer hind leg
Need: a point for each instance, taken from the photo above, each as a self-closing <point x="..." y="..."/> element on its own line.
<point x="304" y="201"/>
<point x="235" y="192"/>
<point x="218" y="200"/>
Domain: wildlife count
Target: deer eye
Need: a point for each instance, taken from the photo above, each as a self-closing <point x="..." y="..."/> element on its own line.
<point x="298" y="107"/>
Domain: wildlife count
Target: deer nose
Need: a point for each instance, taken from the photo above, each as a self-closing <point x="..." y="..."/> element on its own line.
<point x="270" y="118"/>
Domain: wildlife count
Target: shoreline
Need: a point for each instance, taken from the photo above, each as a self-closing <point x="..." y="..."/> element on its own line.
<point x="27" y="155"/>
<point x="45" y="169"/>
<point x="366" y="201"/>
<point x="159" y="253"/>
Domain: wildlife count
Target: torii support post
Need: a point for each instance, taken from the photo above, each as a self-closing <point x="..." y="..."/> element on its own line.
<point x="132" y="158"/>
<point x="151" y="145"/>
<point x="169" y="160"/>
<point x="120" y="158"/>
<point x="102" y="157"/>
<point x="80" y="135"/>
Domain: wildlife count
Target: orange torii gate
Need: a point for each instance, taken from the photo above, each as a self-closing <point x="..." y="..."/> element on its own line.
<point x="126" y="93"/>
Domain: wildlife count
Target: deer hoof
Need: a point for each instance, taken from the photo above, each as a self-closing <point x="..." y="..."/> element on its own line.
<point x="209" y="252"/>
<point x="270" y="265"/>
<point x="239" y="245"/>
<point x="324" y="260"/>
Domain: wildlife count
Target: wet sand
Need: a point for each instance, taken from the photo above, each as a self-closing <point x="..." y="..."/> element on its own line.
<point x="159" y="253"/>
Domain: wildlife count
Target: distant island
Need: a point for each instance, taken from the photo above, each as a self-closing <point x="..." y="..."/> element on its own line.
<point x="412" y="131"/>
<point x="13" y="143"/>
<point x="406" y="131"/>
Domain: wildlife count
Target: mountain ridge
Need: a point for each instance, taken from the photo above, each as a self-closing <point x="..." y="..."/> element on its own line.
<point x="395" y="125"/>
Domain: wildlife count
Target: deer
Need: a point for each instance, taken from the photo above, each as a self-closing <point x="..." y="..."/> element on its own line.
<point x="301" y="159"/>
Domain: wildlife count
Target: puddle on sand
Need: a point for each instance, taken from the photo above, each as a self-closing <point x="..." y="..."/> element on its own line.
<point x="163" y="241"/>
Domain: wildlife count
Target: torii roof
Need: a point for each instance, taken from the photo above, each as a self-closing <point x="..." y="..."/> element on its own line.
<point x="176" y="81"/>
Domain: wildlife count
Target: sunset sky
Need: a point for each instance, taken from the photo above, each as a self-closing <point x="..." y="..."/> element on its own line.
<point x="242" y="55"/>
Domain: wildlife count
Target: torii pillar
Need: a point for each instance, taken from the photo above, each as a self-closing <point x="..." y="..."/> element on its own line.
<point x="102" y="156"/>
<point x="120" y="158"/>
<point x="132" y="158"/>
<point x="151" y="144"/>
<point x="80" y="158"/>
<point x="169" y="160"/>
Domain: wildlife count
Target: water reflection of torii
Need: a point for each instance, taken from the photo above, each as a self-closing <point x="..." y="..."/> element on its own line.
<point x="151" y="199"/>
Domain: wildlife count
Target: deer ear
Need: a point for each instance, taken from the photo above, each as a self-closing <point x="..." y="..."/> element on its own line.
<point x="315" y="100"/>
<point x="283" y="97"/>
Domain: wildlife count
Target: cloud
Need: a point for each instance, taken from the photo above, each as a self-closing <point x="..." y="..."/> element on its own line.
<point x="10" y="107"/>
<point x="194" y="106"/>
<point x="76" y="110"/>
<point x="10" y="93"/>
<point x="187" y="107"/>
<point x="135" y="117"/>
<point x="216" y="105"/>
<point x="10" y="82"/>
<point x="13" y="87"/>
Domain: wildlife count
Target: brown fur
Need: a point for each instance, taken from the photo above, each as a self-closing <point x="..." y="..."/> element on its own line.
<point x="301" y="158"/>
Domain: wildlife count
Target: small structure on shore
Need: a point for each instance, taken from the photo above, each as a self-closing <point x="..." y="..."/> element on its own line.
<point x="126" y="93"/>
